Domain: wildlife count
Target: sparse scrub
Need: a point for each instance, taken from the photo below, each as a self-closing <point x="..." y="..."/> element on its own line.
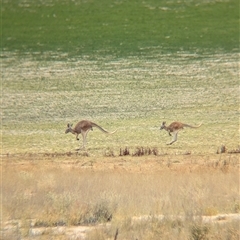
<point x="124" y="152"/>
<point x="63" y="194"/>
<point x="199" y="232"/>
<point x="222" y="149"/>
<point x="224" y="162"/>
<point x="74" y="213"/>
<point x="236" y="206"/>
<point x="154" y="229"/>
<point x="237" y="150"/>
<point x="100" y="213"/>
<point x="139" y="151"/>
<point x="109" y="153"/>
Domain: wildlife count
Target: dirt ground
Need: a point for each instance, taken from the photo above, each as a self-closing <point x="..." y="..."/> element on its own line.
<point x="180" y="163"/>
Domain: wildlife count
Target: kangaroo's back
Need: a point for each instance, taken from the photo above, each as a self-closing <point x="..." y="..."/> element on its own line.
<point x="174" y="126"/>
<point x="83" y="125"/>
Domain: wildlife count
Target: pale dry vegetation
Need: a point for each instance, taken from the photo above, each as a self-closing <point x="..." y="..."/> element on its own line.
<point x="124" y="193"/>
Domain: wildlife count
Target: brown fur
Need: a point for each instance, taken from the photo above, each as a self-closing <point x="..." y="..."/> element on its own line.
<point x="174" y="128"/>
<point x="83" y="127"/>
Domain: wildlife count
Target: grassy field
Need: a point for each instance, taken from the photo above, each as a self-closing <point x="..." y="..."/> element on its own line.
<point x="118" y="28"/>
<point x="127" y="66"/>
<point x="132" y="95"/>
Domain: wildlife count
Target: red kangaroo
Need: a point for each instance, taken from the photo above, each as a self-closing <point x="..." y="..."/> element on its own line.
<point x="174" y="128"/>
<point x="83" y="127"/>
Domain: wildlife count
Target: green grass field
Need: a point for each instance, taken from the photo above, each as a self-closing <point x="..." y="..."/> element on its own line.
<point x="118" y="28"/>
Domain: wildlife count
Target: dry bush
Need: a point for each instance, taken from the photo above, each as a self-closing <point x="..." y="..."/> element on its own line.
<point x="139" y="151"/>
<point x="143" y="151"/>
<point x="124" y="152"/>
<point x="199" y="232"/>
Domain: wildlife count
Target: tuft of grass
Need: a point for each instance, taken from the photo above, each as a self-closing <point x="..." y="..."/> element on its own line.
<point x="199" y="232"/>
<point x="210" y="211"/>
<point x="139" y="151"/>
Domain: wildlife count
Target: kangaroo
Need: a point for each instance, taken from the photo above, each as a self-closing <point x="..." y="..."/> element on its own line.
<point x="84" y="127"/>
<point x="174" y="128"/>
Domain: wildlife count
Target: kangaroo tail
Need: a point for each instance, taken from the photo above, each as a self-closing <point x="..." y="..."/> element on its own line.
<point x="186" y="125"/>
<point x="103" y="130"/>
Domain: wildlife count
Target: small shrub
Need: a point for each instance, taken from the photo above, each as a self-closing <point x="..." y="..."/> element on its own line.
<point x="234" y="151"/>
<point x="109" y="153"/>
<point x="99" y="213"/>
<point x="199" y="232"/>
<point x="124" y="152"/>
<point x="222" y="149"/>
<point x="236" y="207"/>
<point x="210" y="211"/>
<point x="141" y="151"/>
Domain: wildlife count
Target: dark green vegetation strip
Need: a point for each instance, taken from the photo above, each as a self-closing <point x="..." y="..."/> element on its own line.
<point x="119" y="27"/>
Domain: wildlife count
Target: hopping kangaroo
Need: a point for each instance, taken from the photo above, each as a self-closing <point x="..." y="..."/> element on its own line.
<point x="83" y="127"/>
<point x="174" y="128"/>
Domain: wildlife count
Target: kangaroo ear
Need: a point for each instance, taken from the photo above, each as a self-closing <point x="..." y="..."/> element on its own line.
<point x="68" y="125"/>
<point x="163" y="123"/>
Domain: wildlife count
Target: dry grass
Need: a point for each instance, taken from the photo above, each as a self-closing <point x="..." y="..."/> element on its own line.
<point x="49" y="191"/>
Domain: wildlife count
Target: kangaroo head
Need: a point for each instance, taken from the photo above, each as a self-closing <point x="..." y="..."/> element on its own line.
<point x="163" y="125"/>
<point x="69" y="128"/>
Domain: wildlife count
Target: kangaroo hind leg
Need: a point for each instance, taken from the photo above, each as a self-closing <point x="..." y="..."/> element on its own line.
<point x="84" y="135"/>
<point x="174" y="139"/>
